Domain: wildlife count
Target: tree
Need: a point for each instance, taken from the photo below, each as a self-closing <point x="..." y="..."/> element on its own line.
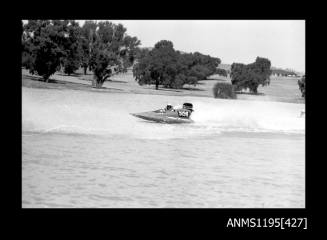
<point x="141" y="53"/>
<point x="128" y="52"/>
<point x="165" y="66"/>
<point x="109" y="47"/>
<point x="252" y="75"/>
<point x="158" y="66"/>
<point x="221" y="72"/>
<point x="100" y="61"/>
<point x="301" y="83"/>
<point x="72" y="48"/>
<point x="27" y="60"/>
<point x="42" y="46"/>
<point x="87" y="39"/>
<point x="164" y="44"/>
<point x="210" y="64"/>
<point x="46" y="45"/>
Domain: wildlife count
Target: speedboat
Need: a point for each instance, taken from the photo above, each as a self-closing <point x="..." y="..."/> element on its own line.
<point x="168" y="114"/>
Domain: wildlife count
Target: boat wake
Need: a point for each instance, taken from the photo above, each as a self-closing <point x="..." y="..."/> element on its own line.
<point x="101" y="116"/>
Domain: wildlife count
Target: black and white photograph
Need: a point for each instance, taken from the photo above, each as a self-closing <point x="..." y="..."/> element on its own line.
<point x="163" y="113"/>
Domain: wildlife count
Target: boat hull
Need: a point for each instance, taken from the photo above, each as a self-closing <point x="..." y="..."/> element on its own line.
<point x="161" y="117"/>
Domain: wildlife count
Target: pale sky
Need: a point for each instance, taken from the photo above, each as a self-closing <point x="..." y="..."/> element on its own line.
<point x="281" y="41"/>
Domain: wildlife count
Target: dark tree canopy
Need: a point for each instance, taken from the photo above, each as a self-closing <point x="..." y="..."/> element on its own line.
<point x="49" y="44"/>
<point x="72" y="48"/>
<point x="159" y="66"/>
<point x="43" y="46"/>
<point x="111" y="47"/>
<point x="141" y="53"/>
<point x="128" y="51"/>
<point x="87" y="40"/>
<point x="172" y="69"/>
<point x="164" y="44"/>
<point x="221" y="72"/>
<point x="252" y="75"/>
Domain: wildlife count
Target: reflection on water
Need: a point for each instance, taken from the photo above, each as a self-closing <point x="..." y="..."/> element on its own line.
<point x="83" y="149"/>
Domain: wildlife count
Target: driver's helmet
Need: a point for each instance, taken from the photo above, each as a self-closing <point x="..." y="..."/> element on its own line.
<point x="169" y="107"/>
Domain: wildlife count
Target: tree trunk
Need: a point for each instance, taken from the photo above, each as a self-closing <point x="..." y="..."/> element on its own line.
<point x="157" y="84"/>
<point x="99" y="84"/>
<point x="85" y="68"/>
<point x="96" y="84"/>
<point x="46" y="78"/>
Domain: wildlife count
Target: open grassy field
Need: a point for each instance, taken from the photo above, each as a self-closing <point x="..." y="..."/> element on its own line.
<point x="283" y="89"/>
<point x="280" y="89"/>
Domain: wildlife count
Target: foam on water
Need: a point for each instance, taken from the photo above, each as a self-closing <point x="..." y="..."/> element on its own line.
<point x="250" y="116"/>
<point x="79" y="112"/>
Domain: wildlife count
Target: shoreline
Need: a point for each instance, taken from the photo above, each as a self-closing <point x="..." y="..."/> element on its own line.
<point x="125" y="83"/>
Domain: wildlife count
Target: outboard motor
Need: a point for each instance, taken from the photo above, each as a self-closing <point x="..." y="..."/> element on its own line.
<point x="188" y="106"/>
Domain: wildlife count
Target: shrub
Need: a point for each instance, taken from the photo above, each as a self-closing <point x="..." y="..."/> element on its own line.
<point x="224" y="90"/>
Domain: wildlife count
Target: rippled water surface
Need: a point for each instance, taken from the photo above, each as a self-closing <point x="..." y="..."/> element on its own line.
<point x="83" y="149"/>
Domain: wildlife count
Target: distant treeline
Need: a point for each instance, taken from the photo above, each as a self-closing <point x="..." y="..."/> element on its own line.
<point x="282" y="72"/>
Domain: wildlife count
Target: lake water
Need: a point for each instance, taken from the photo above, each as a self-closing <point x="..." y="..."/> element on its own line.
<point x="83" y="149"/>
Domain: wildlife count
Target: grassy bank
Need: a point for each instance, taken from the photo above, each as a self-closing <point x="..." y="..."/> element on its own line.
<point x="281" y="89"/>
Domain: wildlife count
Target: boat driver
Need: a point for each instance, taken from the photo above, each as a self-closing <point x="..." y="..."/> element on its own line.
<point x="169" y="107"/>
